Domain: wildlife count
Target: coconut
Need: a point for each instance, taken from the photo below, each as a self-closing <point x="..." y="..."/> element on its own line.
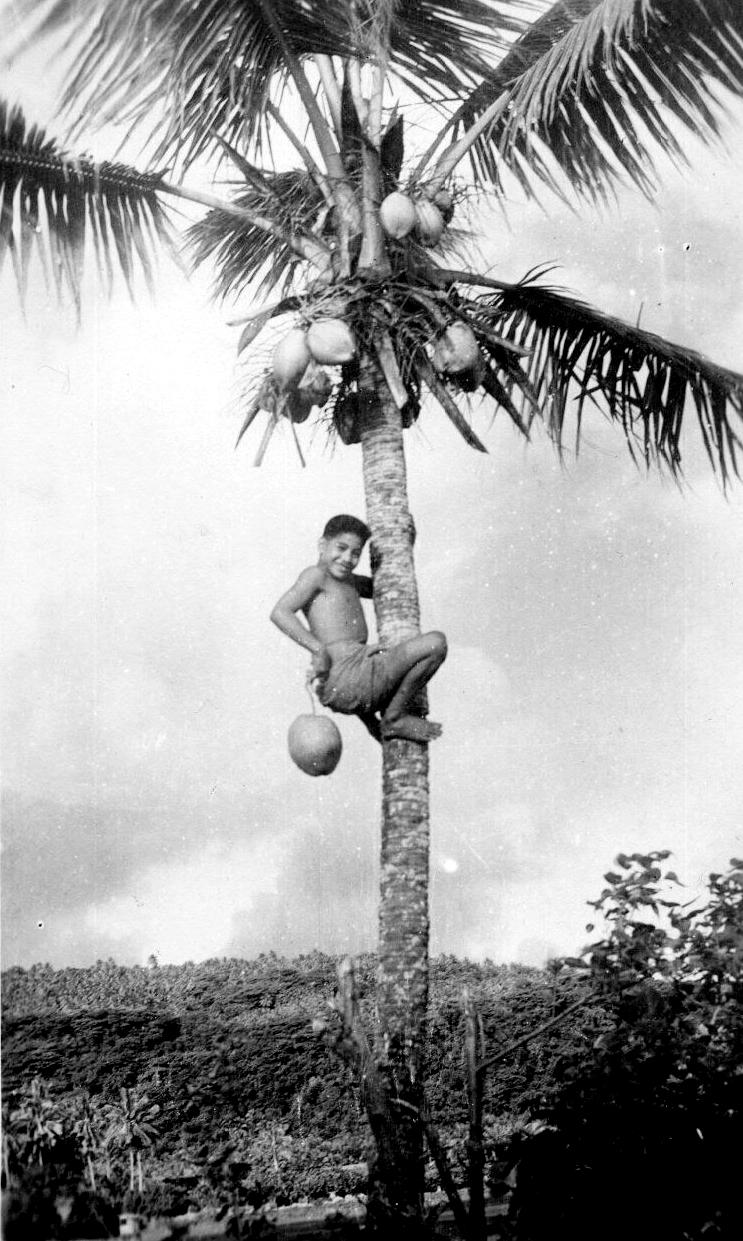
<point x="469" y="380"/>
<point x="268" y="396"/>
<point x="291" y="358"/>
<point x="444" y="200"/>
<point x="316" y="384"/>
<point x="429" y="222"/>
<point x="397" y="214"/>
<point x="315" y="744"/>
<point x="346" y="419"/>
<point x="298" y="405"/>
<point x="331" y="341"/>
<point x="456" y="350"/>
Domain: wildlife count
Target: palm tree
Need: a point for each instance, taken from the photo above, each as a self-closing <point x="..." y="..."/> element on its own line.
<point x="36" y="1125"/>
<point x="132" y="1127"/>
<point x="86" y="1129"/>
<point x="579" y="98"/>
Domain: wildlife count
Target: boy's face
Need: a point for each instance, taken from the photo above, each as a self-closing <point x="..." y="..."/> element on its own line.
<point x="340" y="555"/>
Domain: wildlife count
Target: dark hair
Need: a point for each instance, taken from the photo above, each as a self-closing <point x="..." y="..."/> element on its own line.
<point x="343" y="524"/>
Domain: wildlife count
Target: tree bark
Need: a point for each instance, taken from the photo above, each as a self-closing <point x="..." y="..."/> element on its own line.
<point x="396" y="1185"/>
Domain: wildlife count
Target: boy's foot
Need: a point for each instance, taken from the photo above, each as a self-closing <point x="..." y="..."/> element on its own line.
<point x="410" y="728"/>
<point x="372" y="725"/>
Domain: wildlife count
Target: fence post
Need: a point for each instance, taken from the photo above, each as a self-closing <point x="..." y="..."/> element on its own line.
<point x="476" y="1154"/>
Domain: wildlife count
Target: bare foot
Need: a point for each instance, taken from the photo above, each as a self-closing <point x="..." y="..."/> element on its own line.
<point x="410" y="728"/>
<point x="372" y="725"/>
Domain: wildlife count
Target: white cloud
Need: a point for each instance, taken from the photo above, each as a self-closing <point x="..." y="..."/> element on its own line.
<point x="184" y="909"/>
<point x="592" y="697"/>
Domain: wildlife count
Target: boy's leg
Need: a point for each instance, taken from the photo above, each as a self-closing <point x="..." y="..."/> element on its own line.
<point x="409" y="667"/>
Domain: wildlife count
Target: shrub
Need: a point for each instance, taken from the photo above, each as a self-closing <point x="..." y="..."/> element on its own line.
<point x="641" y="1130"/>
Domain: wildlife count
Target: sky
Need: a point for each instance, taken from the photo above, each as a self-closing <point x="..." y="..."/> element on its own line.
<point x="592" y="701"/>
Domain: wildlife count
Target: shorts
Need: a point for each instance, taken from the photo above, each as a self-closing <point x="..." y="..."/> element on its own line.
<point x="359" y="680"/>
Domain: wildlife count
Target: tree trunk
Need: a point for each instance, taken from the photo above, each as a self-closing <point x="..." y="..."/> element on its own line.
<point x="396" y="1183"/>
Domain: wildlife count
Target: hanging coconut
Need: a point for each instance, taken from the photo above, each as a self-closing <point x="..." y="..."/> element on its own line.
<point x="346" y="419"/>
<point x="429" y="223"/>
<point x="444" y="200"/>
<point x="315" y="744"/>
<point x="316" y="384"/>
<point x="456" y="350"/>
<point x="471" y="377"/>
<point x="267" y="396"/>
<point x="298" y="405"/>
<point x="291" y="358"/>
<point x="331" y="341"/>
<point x="397" y="214"/>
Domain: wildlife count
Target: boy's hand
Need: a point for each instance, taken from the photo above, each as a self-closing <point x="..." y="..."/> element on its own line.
<point x="320" y="664"/>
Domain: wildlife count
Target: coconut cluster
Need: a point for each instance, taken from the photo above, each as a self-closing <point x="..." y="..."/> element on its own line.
<point x="298" y="361"/>
<point x="426" y="218"/>
<point x="297" y="381"/>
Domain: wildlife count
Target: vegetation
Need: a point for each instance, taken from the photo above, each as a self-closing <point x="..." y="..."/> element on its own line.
<point x="250" y="1102"/>
<point x="218" y="1092"/>
<point x="641" y="1128"/>
<point x="582" y="93"/>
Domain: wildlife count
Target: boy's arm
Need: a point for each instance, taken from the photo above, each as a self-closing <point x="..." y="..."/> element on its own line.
<point x="284" y="615"/>
<point x="364" y="585"/>
<point x="297" y="597"/>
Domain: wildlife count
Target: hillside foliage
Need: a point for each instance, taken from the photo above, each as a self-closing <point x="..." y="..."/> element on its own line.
<point x="175" y="1087"/>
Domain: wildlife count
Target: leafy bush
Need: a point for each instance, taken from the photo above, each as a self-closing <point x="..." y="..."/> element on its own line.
<point x="47" y="1205"/>
<point x="640" y="1131"/>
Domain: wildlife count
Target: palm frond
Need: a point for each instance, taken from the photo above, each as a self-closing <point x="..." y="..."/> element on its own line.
<point x="644" y="383"/>
<point x="438" y="46"/>
<point x="240" y="251"/>
<point x="51" y="201"/>
<point x="179" y="72"/>
<point x="595" y="88"/>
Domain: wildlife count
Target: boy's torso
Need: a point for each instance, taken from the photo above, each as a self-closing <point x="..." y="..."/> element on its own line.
<point x="335" y="613"/>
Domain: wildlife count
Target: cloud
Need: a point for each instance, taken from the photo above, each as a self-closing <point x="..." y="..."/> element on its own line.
<point x="185" y="909"/>
<point x="591" y="701"/>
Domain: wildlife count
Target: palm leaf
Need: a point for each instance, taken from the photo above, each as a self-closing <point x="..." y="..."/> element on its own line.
<point x="51" y="201"/>
<point x="642" y="381"/>
<point x="596" y="87"/>
<point x="241" y="252"/>
<point x="181" y="71"/>
<point x="439" y="46"/>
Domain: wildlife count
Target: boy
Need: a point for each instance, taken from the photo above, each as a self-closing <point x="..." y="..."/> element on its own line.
<point x="351" y="676"/>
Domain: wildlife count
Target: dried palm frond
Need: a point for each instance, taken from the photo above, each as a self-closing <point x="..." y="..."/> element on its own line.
<point x="51" y="201"/>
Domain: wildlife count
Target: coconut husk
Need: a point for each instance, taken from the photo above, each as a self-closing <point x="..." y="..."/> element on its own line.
<point x="316" y="383"/>
<point x="444" y="200"/>
<point x="470" y="379"/>
<point x="268" y="396"/>
<point x="346" y="417"/>
<point x="298" y="406"/>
